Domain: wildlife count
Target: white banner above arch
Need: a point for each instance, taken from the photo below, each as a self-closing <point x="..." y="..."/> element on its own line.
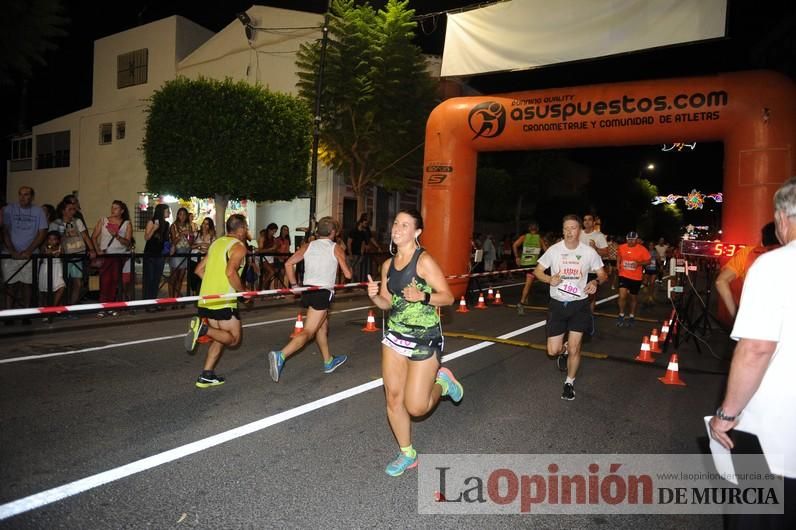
<point x="522" y="34"/>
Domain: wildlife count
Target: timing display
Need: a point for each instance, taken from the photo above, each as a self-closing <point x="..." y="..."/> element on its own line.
<point x="709" y="249"/>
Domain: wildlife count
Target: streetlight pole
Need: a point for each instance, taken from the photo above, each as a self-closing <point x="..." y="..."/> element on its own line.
<point x="316" y="130"/>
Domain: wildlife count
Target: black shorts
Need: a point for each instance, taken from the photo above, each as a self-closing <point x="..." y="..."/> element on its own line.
<point x="319" y="300"/>
<point x="610" y="262"/>
<point x="631" y="285"/>
<point x="568" y="316"/>
<point x="225" y="313"/>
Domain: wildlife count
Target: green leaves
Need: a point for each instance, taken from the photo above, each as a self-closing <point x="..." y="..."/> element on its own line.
<point x="376" y="95"/>
<point x="207" y="137"/>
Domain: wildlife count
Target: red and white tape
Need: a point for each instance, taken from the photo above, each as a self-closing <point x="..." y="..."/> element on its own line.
<point x="54" y="310"/>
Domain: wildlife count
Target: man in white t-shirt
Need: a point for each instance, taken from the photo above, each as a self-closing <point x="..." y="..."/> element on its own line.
<point x="757" y="414"/>
<point x="570" y="262"/>
<point x="596" y="240"/>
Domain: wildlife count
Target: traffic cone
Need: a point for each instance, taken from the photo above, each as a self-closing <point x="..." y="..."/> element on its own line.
<point x="672" y="376"/>
<point x="664" y="330"/>
<point x="481" y="303"/>
<point x="462" y="306"/>
<point x="490" y="294"/>
<point x="370" y="325"/>
<point x="644" y="355"/>
<point x="298" y="328"/>
<point x="498" y="299"/>
<point x="655" y="346"/>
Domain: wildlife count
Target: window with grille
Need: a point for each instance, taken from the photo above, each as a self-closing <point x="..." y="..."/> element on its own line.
<point x="142" y="216"/>
<point x="52" y="150"/>
<point x="105" y="133"/>
<point x="131" y="68"/>
<point x="121" y="130"/>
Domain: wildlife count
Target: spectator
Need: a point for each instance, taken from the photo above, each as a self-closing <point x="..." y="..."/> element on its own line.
<point x="282" y="247"/>
<point x="24" y="230"/>
<point x="355" y="247"/>
<point x="75" y="243"/>
<point x="180" y="237"/>
<point x="51" y="271"/>
<point x="490" y="253"/>
<point x="157" y="244"/>
<point x="49" y="212"/>
<point x="201" y="242"/>
<point x="757" y="414"/>
<point x="267" y="243"/>
<point x="112" y="236"/>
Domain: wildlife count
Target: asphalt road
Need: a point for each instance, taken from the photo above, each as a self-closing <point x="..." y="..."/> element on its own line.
<point x="103" y="416"/>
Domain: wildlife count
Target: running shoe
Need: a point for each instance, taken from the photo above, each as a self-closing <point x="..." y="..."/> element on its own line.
<point x="275" y="364"/>
<point x="561" y="360"/>
<point x="520" y="309"/>
<point x="620" y="321"/>
<point x="334" y="363"/>
<point x="629" y="321"/>
<point x="569" y="392"/>
<point x="454" y="389"/>
<point x="196" y="328"/>
<point x="207" y="381"/>
<point x="400" y="464"/>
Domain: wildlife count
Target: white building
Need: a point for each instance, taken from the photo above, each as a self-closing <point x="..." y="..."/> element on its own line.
<point x="96" y="152"/>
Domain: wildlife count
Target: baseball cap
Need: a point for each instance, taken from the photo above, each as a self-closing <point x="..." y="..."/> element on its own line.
<point x="632" y="235"/>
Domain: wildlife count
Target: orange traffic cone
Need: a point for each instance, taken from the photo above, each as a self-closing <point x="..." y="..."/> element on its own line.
<point x="490" y="294"/>
<point x="481" y="303"/>
<point x="672" y="376"/>
<point x="298" y="328"/>
<point x="664" y="330"/>
<point x="655" y="346"/>
<point x="498" y="299"/>
<point x="644" y="355"/>
<point x="462" y="306"/>
<point x="370" y="325"/>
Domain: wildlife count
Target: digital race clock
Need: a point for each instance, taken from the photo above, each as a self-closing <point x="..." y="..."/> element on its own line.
<point x="709" y="249"/>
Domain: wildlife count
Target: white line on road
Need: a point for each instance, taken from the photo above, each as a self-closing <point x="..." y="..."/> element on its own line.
<point x="153" y="339"/>
<point x="46" y="497"/>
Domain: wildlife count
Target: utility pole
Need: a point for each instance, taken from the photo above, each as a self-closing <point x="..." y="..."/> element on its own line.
<point x="316" y="131"/>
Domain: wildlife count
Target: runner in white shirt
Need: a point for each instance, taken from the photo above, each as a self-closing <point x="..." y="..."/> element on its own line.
<point x="596" y="240"/>
<point x="570" y="262"/>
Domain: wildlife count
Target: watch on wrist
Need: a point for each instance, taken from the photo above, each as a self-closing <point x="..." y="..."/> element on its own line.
<point x="427" y="299"/>
<point x="722" y="416"/>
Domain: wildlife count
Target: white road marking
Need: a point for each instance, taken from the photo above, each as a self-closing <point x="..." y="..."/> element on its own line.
<point x="49" y="496"/>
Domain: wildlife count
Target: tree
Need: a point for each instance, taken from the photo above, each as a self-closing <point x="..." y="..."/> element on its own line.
<point x="376" y="95"/>
<point x="28" y="32"/>
<point x="228" y="140"/>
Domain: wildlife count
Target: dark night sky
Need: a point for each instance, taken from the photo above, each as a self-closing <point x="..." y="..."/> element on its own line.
<point x="759" y="35"/>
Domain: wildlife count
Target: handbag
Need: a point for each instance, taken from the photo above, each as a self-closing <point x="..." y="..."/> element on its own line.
<point x="166" y="248"/>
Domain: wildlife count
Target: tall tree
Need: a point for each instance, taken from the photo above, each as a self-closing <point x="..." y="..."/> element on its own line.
<point x="227" y="140"/>
<point x="29" y="30"/>
<point x="376" y="94"/>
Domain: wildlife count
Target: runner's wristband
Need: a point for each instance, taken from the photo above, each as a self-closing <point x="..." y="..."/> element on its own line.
<point x="427" y="299"/>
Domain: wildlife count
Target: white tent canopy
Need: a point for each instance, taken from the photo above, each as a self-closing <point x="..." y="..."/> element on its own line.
<point x="523" y="34"/>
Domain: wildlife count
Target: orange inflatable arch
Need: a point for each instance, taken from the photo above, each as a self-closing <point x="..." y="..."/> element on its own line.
<point x="753" y="113"/>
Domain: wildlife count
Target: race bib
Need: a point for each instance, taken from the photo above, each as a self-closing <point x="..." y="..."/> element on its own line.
<point x="530" y="252"/>
<point x="629" y="265"/>
<point x="570" y="289"/>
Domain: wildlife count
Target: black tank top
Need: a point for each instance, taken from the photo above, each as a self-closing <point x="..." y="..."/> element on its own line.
<point x="398" y="279"/>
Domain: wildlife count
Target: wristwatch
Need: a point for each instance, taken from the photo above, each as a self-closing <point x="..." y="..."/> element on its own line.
<point x="720" y="415"/>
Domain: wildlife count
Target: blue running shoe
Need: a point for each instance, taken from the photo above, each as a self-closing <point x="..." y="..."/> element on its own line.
<point x="275" y="364"/>
<point x="620" y="321"/>
<point x="400" y="464"/>
<point x="334" y="363"/>
<point x="454" y="389"/>
<point x="629" y="321"/>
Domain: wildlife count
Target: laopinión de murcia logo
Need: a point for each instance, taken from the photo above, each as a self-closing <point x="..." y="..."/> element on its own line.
<point x="487" y="119"/>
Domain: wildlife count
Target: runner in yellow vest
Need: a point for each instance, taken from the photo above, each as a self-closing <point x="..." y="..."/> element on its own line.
<point x="219" y="318"/>
<point x="527" y="249"/>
